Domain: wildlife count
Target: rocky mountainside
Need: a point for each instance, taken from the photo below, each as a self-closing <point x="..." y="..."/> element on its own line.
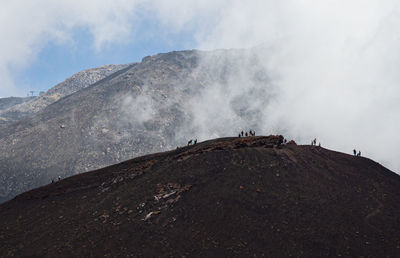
<point x="6" y="103"/>
<point x="230" y="197"/>
<point x="12" y="101"/>
<point x="143" y="108"/>
<point x="27" y="106"/>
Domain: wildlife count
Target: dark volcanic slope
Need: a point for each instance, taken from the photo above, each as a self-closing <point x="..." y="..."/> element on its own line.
<point x="226" y="197"/>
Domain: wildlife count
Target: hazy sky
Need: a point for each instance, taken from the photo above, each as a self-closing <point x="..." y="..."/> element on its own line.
<point x="336" y="61"/>
<point x="45" y="41"/>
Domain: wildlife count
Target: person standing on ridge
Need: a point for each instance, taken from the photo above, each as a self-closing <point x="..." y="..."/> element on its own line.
<point x="355" y="152"/>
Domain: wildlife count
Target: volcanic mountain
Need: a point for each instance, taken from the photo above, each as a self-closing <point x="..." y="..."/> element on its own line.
<point x="109" y="114"/>
<point x="13" y="109"/>
<point x="227" y="197"/>
<point x="6" y="103"/>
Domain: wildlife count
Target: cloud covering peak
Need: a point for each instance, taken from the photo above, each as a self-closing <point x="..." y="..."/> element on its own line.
<point x="333" y="64"/>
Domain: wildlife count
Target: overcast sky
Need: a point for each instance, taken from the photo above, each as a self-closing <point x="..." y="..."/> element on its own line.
<point x="337" y="61"/>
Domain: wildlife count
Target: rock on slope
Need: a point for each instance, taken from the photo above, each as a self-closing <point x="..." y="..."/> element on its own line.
<point x="221" y="198"/>
<point x="140" y="109"/>
<point x="74" y="83"/>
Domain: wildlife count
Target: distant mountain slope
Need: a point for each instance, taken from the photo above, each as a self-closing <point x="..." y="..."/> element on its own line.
<point x="12" y="101"/>
<point x="74" y="83"/>
<point x="140" y="109"/>
<point x="231" y="197"/>
<point x="6" y="103"/>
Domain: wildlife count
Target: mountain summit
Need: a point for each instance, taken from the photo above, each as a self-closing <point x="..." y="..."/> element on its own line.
<point x="107" y="115"/>
<point x="246" y="196"/>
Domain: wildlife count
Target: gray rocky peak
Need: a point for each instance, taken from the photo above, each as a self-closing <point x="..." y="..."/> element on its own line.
<point x="155" y="105"/>
<point x="72" y="84"/>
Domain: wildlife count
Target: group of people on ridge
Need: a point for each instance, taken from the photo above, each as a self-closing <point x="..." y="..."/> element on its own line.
<point x="253" y="133"/>
<point x="356" y="154"/>
<point x="192" y="142"/>
<point x="314" y="142"/>
<point x="53" y="181"/>
<point x="250" y="133"/>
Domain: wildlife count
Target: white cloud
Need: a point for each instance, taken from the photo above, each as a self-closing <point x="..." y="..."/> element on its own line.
<point x="27" y="26"/>
<point x="334" y="65"/>
<point x="139" y="109"/>
<point x="337" y="67"/>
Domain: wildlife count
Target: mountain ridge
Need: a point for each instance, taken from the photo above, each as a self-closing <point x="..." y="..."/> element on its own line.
<point x="223" y="197"/>
<point x="141" y="109"/>
<point x="70" y="85"/>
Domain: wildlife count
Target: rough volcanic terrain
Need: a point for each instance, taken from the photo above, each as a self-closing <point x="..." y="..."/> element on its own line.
<point x="129" y="111"/>
<point x="8" y="104"/>
<point x="221" y="198"/>
<point x="24" y="107"/>
<point x="12" y="101"/>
